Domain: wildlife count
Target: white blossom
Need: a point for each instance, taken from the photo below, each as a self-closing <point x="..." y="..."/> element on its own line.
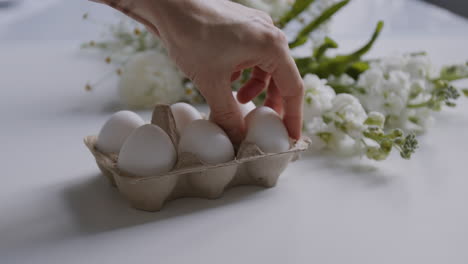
<point x="376" y="119"/>
<point x="417" y="120"/>
<point x="417" y="66"/>
<point x="318" y="96"/>
<point x="149" y="78"/>
<point x="320" y="133"/>
<point x="332" y="121"/>
<point x="343" y="79"/>
<point x="348" y="110"/>
<point x="385" y="92"/>
<point x="392" y="83"/>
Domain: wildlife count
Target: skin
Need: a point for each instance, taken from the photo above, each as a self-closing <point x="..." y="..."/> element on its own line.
<point x="212" y="41"/>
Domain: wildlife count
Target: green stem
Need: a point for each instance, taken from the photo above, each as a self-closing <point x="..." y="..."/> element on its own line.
<point x="423" y="104"/>
<point x="304" y="33"/>
<point x="368" y="46"/>
<point x="341" y="63"/>
<point x="298" y="7"/>
<point x="327" y="44"/>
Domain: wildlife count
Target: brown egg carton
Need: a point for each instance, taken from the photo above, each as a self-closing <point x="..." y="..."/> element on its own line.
<point x="191" y="177"/>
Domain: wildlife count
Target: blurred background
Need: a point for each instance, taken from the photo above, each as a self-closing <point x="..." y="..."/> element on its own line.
<point x="56" y="208"/>
<point x="62" y="19"/>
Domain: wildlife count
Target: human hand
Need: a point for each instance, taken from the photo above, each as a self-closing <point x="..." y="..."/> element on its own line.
<point x="212" y="41"/>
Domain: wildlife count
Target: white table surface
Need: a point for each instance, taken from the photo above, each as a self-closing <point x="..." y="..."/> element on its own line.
<point x="56" y="207"/>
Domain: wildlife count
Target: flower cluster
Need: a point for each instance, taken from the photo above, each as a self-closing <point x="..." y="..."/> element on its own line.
<point x="340" y="123"/>
<point x="392" y="85"/>
<point x="149" y="77"/>
<point x="406" y="89"/>
<point x="124" y="39"/>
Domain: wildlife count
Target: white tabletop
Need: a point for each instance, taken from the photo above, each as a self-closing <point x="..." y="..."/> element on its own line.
<point x="56" y="207"/>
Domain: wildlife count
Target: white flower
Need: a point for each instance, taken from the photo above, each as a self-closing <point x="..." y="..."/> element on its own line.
<point x="128" y="37"/>
<point x="419" y="67"/>
<point x="393" y="83"/>
<point x="320" y="133"/>
<point x="375" y="119"/>
<point x="385" y="92"/>
<point x="340" y="128"/>
<point x="348" y="110"/>
<point x="318" y="96"/>
<point x="343" y="79"/>
<point x="417" y="120"/>
<point x="149" y="78"/>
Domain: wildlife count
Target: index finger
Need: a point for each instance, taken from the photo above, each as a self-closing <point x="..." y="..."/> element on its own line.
<point x="291" y="88"/>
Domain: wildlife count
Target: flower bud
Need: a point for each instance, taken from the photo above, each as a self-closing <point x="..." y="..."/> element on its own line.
<point x="397" y="133"/>
<point x="375" y="119"/>
<point x="386" y="145"/>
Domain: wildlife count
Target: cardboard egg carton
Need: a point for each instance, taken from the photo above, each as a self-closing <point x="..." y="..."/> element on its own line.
<point x="191" y="177"/>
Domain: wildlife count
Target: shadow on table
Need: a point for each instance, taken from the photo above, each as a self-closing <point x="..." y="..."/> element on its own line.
<point x="367" y="174"/>
<point x="357" y="170"/>
<point x="99" y="207"/>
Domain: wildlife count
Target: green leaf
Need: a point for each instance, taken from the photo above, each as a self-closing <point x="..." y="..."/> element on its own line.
<point x="327" y="44"/>
<point x="465" y="92"/>
<point x="360" y="52"/>
<point x="298" y="7"/>
<point x="454" y="72"/>
<point x="357" y="69"/>
<point x="304" y="33"/>
<point x="340" y="88"/>
<point x="306" y="65"/>
<point x="443" y="93"/>
<point x="341" y="63"/>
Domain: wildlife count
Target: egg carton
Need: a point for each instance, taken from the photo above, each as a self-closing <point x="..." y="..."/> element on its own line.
<point x="191" y="177"/>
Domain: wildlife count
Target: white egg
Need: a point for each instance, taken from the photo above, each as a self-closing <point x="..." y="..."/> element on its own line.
<point x="184" y="114"/>
<point x="116" y="130"/>
<point x="244" y="108"/>
<point x="207" y="141"/>
<point x="148" y="151"/>
<point x="266" y="129"/>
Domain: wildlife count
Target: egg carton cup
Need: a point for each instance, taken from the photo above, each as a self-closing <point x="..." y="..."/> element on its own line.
<point x="191" y="177"/>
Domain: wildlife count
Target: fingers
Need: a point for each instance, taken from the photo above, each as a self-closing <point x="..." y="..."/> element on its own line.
<point x="291" y="88"/>
<point x="152" y="29"/>
<point x="235" y="75"/>
<point x="257" y="83"/>
<point x="273" y="98"/>
<point x="224" y="108"/>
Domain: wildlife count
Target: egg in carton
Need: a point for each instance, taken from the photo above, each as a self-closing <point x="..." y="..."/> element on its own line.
<point x="191" y="177"/>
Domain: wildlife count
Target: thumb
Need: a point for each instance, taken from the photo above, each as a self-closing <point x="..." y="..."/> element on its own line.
<point x="225" y="110"/>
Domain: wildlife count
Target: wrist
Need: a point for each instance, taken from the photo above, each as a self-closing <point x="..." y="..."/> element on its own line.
<point x="147" y="10"/>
